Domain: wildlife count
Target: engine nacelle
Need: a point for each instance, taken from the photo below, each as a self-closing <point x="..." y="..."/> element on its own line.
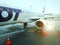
<point x="40" y="24"/>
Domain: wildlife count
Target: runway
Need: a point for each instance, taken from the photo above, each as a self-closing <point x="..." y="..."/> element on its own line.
<point x="31" y="36"/>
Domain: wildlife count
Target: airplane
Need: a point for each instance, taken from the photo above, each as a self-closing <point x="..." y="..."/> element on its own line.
<point x="9" y="15"/>
<point x="12" y="15"/>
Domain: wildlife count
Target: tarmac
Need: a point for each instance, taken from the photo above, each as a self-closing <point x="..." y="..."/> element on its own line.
<point x="29" y="36"/>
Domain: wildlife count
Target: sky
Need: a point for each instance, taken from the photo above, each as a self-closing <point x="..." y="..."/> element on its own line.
<point x="51" y="6"/>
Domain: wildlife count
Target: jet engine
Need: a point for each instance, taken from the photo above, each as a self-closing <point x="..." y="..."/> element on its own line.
<point x="40" y="24"/>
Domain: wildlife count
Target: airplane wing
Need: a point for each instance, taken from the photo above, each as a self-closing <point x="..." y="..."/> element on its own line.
<point x="51" y="17"/>
<point x="34" y="18"/>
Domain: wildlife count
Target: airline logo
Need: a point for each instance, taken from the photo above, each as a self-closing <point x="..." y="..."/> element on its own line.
<point x="7" y="13"/>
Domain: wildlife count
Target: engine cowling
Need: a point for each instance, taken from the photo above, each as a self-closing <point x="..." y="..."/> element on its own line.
<point x="40" y="24"/>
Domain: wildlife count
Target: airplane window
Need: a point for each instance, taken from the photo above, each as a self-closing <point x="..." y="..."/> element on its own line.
<point x="4" y="14"/>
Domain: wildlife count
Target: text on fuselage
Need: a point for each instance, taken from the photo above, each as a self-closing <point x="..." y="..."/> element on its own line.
<point x="9" y="11"/>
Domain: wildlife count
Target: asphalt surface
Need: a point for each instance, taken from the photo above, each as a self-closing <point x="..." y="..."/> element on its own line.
<point x="33" y="37"/>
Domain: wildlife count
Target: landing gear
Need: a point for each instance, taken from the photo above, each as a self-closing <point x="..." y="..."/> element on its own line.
<point x="25" y="25"/>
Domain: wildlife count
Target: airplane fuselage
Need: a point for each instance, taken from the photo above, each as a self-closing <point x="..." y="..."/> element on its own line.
<point x="11" y="15"/>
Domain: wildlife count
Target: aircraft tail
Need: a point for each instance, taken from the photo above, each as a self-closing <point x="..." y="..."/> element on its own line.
<point x="43" y="10"/>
